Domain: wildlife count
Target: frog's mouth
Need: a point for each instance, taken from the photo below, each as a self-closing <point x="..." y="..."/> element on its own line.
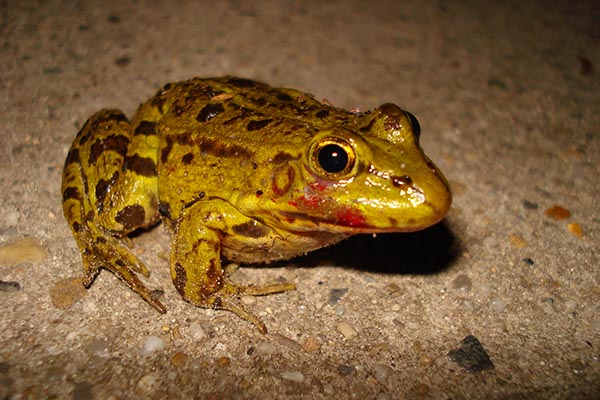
<point x="353" y="220"/>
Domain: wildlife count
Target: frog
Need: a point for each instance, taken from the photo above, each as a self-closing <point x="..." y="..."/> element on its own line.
<point x="241" y="173"/>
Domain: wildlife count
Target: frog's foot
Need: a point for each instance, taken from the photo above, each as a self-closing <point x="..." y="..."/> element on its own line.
<point x="109" y="253"/>
<point x="228" y="298"/>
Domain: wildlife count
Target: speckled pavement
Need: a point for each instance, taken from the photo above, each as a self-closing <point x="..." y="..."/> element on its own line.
<point x="501" y="300"/>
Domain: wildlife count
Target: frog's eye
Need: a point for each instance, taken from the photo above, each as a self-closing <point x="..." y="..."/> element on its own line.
<point x="416" y="127"/>
<point x="333" y="157"/>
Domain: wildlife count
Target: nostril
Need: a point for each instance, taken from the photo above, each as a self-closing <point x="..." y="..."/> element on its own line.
<point x="398" y="181"/>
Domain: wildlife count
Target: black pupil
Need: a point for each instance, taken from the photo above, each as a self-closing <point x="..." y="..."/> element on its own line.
<point x="333" y="158"/>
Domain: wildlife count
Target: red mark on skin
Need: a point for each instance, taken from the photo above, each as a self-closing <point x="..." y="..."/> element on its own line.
<point x="349" y="216"/>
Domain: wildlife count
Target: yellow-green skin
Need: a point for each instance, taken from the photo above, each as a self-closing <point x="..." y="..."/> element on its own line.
<point x="233" y="166"/>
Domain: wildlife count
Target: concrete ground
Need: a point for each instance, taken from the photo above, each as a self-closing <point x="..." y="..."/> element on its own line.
<point x="501" y="300"/>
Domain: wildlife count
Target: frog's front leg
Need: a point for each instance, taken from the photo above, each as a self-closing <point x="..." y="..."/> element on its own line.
<point x="196" y="260"/>
<point x="109" y="189"/>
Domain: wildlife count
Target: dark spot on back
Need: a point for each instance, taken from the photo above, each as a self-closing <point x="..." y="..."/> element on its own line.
<point x="77" y="227"/>
<point x="164" y="154"/>
<point x="220" y="149"/>
<point x="241" y="83"/>
<point x="101" y="191"/>
<point x="282" y="157"/>
<point x="322" y="113"/>
<point x="187" y="158"/>
<point x="144" y="166"/>
<point x="147" y="128"/>
<point x="116" y="143"/>
<point x="72" y="157"/>
<point x="209" y="111"/>
<point x="71" y="193"/>
<point x="284" y="97"/>
<point x="256" y="125"/>
<point x="131" y="217"/>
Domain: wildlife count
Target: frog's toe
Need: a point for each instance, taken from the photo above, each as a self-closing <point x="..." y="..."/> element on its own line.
<point x="228" y="299"/>
<point x="264" y="289"/>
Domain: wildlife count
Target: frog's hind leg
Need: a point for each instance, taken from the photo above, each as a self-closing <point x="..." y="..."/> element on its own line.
<point x="98" y="205"/>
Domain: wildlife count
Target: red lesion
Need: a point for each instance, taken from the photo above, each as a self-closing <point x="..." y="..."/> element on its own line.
<point x="320" y="207"/>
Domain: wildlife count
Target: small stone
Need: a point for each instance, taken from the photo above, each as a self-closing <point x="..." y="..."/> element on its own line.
<point x="517" y="241"/>
<point x="420" y="389"/>
<point x="66" y="292"/>
<point x="196" y="332"/>
<point x="152" y="344"/>
<point x="346" y="370"/>
<point x="10" y="286"/>
<point x="179" y="359"/>
<point x="425" y="361"/>
<point x="498" y="304"/>
<point x="335" y="295"/>
<point x="471" y="356"/>
<point x="83" y="391"/>
<point x="148" y="384"/>
<point x="490" y="242"/>
<point x="462" y="283"/>
<point x="557" y="212"/>
<point x="575" y="230"/>
<point x="99" y="348"/>
<point x="528" y="205"/>
<point x="223" y="361"/>
<point x="347" y="330"/>
<point x="265" y="348"/>
<point x="24" y="250"/>
<point x="382" y="373"/>
<point x="294" y="376"/>
<point x="311" y="344"/>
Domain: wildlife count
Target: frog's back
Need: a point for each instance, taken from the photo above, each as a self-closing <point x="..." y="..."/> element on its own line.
<point x="225" y="137"/>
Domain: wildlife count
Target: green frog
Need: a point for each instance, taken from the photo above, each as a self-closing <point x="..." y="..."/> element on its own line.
<point x="243" y="172"/>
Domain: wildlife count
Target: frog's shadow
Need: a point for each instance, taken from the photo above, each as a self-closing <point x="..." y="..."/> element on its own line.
<point x="425" y="252"/>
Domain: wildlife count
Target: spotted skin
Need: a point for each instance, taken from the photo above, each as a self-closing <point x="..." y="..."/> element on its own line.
<point x="234" y="168"/>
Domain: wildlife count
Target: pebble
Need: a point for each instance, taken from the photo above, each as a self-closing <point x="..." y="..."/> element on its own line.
<point x="517" y="241"/>
<point x="294" y="376"/>
<point x="335" y="295"/>
<point x="197" y="332"/>
<point x="66" y="292"/>
<point x="24" y="250"/>
<point x="223" y="361"/>
<point x="99" y="348"/>
<point x="148" y="384"/>
<point x="347" y="330"/>
<point x="498" y="304"/>
<point x="490" y="242"/>
<point x="265" y="348"/>
<point x="151" y="344"/>
<point x="82" y="391"/>
<point x="575" y="229"/>
<point x="462" y="283"/>
<point x="345" y="370"/>
<point x="557" y="212"/>
<point x="179" y="359"/>
<point x="311" y="344"/>
<point x="382" y="373"/>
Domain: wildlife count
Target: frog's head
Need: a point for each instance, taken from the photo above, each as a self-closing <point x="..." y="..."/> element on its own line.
<point x="375" y="179"/>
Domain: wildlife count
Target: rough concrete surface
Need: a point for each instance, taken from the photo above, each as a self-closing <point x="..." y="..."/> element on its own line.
<point x="501" y="300"/>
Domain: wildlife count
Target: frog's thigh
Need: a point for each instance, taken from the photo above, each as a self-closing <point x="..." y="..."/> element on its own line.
<point x="123" y="183"/>
<point x="97" y="163"/>
<point x="196" y="261"/>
